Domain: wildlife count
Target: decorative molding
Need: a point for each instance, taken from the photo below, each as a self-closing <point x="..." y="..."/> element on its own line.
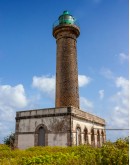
<point x="42" y="116"/>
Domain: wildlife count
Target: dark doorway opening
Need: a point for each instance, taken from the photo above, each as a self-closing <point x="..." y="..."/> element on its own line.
<point x="41" y="137"/>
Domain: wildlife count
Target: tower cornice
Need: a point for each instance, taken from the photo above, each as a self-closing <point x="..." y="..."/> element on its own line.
<point x="66" y="28"/>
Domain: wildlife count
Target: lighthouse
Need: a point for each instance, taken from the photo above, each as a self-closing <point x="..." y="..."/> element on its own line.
<point x="66" y="32"/>
<point x="65" y="124"/>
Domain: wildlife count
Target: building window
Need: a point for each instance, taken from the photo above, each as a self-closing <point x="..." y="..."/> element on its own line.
<point x="98" y="138"/>
<point x="78" y="136"/>
<point x="102" y="135"/>
<point x="85" y="136"/>
<point x="92" y="137"/>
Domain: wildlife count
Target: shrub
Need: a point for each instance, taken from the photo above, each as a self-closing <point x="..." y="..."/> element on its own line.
<point x="109" y="154"/>
<point x="9" y="140"/>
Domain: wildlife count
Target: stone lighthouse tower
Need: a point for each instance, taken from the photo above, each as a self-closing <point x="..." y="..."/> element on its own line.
<point x="66" y="32"/>
<point x="65" y="124"/>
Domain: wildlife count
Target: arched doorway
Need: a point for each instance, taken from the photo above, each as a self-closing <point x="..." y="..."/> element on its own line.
<point x="41" y="136"/>
<point x="85" y="136"/>
<point x="98" y="138"/>
<point x="78" y="136"/>
<point x="92" y="137"/>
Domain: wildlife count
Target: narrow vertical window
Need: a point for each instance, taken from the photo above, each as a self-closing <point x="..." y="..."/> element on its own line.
<point x="92" y="137"/>
<point x="78" y="136"/>
<point x="85" y="136"/>
<point x="98" y="138"/>
<point x="102" y="137"/>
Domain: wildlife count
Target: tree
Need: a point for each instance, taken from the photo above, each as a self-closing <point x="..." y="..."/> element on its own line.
<point x="10" y="140"/>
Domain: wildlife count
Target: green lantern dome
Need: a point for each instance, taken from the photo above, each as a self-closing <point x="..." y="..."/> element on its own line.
<point x="66" y="18"/>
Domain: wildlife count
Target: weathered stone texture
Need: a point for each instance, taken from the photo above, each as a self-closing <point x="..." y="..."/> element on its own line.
<point x="60" y="126"/>
<point x="25" y="141"/>
<point x="59" y="139"/>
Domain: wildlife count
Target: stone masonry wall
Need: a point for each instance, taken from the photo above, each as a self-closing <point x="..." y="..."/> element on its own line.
<point x="57" y="127"/>
<point x="67" y="93"/>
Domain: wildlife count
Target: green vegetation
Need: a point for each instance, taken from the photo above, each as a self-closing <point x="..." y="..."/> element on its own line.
<point x="9" y="140"/>
<point x="109" y="154"/>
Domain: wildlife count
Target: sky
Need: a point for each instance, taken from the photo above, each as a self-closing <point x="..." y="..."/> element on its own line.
<point x="28" y="59"/>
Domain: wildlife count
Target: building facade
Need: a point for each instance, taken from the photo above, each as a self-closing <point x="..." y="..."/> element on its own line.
<point x="66" y="124"/>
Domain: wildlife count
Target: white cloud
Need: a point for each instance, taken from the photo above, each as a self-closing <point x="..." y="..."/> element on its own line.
<point x="120" y="104"/>
<point x="107" y="73"/>
<point x="101" y="94"/>
<point x="123" y="84"/>
<point x="7" y="113"/>
<point x="46" y="84"/>
<point x="83" y="80"/>
<point x="86" y="104"/>
<point x="117" y="105"/>
<point x="123" y="57"/>
<point x="12" y="98"/>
